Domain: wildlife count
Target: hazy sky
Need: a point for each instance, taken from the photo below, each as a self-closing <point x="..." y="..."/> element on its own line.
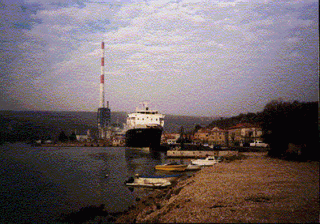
<point x="208" y="58"/>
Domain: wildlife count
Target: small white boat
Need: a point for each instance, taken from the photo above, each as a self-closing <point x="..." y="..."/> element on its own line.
<point x="209" y="161"/>
<point x="193" y="167"/>
<point x="155" y="178"/>
<point x="155" y="182"/>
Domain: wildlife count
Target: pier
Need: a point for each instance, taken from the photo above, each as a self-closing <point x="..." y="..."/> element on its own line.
<point x="191" y="154"/>
<point x="198" y="151"/>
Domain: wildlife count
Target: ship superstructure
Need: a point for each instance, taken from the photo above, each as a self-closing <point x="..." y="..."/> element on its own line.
<point x="144" y="127"/>
<point x="144" y="117"/>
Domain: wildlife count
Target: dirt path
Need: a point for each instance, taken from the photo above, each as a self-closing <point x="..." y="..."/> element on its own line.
<point x="255" y="189"/>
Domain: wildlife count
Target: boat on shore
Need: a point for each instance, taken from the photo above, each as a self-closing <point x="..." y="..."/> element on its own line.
<point x="171" y="178"/>
<point x="144" y="128"/>
<point x="151" y="181"/>
<point x="209" y="161"/>
<point x="171" y="167"/>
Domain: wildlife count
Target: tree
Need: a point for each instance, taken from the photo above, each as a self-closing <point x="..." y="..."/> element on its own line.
<point x="73" y="137"/>
<point x="196" y="128"/>
<point x="290" y="122"/>
<point x="62" y="137"/>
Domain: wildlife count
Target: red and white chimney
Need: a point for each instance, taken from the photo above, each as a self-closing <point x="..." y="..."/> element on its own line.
<point x="101" y="105"/>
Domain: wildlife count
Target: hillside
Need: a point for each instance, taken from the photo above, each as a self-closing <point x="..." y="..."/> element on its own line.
<point x="26" y="125"/>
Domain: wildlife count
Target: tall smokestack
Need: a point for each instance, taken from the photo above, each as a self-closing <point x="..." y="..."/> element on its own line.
<point x="101" y="105"/>
<point x="104" y="114"/>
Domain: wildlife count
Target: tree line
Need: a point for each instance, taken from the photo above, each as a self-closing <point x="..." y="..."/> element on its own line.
<point x="283" y="123"/>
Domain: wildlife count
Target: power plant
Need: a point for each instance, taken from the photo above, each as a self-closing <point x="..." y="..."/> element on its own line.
<point x="104" y="113"/>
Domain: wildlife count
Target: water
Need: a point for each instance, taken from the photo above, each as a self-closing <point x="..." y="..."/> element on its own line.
<point x="40" y="183"/>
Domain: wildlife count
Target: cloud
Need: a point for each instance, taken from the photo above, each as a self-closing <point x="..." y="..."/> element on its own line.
<point x="220" y="57"/>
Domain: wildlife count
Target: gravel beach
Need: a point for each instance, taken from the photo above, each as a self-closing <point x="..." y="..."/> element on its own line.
<point x="255" y="188"/>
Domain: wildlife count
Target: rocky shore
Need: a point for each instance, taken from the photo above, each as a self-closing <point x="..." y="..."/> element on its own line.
<point x="252" y="188"/>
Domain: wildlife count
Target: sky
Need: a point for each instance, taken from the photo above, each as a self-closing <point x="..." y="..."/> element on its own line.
<point x="184" y="57"/>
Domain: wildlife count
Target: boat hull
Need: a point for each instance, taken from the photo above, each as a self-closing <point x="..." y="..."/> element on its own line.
<point x="171" y="167"/>
<point x="170" y="178"/>
<point x="203" y="163"/>
<point x="148" y="182"/>
<point x="193" y="167"/>
<point x="209" y="161"/>
<point x="143" y="137"/>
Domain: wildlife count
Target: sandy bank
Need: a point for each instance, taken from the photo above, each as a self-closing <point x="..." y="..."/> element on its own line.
<point x="255" y="189"/>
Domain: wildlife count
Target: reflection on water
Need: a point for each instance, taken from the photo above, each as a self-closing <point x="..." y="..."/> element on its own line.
<point x="143" y="163"/>
<point x="38" y="184"/>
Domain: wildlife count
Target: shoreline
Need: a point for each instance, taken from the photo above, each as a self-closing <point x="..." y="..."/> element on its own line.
<point x="253" y="189"/>
<point x="250" y="187"/>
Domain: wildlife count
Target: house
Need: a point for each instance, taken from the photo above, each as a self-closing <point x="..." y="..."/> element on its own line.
<point x="244" y="133"/>
<point x="117" y="136"/>
<point x="84" y="137"/>
<point x="239" y="135"/>
<point x="118" y="140"/>
<point x="202" y="135"/>
<point x="218" y="136"/>
<point x="170" y="138"/>
<point x="214" y="136"/>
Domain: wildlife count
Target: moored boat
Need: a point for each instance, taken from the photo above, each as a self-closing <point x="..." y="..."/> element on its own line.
<point x="171" y="167"/>
<point x="209" y="161"/>
<point x="155" y="182"/>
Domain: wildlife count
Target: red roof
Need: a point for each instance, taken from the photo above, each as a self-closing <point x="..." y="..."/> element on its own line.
<point x="244" y="125"/>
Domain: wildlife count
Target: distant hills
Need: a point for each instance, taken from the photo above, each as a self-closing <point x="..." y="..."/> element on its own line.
<point x="26" y="125"/>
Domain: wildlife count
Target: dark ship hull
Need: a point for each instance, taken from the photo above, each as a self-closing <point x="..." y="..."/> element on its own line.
<point x="144" y="137"/>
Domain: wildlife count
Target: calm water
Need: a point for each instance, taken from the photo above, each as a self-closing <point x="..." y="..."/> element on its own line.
<point x="38" y="184"/>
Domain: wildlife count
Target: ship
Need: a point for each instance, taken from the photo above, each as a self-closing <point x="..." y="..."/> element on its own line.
<point x="144" y="128"/>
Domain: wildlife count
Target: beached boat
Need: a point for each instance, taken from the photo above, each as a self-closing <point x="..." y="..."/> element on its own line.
<point x="155" y="178"/>
<point x="171" y="167"/>
<point x="209" y="161"/>
<point x="155" y="182"/>
<point x="193" y="167"/>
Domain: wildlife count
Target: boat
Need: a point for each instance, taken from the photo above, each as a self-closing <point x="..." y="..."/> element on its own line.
<point x="154" y="182"/>
<point x="144" y="128"/>
<point x="209" y="161"/>
<point x="193" y="167"/>
<point x="171" y="167"/>
<point x="154" y="178"/>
